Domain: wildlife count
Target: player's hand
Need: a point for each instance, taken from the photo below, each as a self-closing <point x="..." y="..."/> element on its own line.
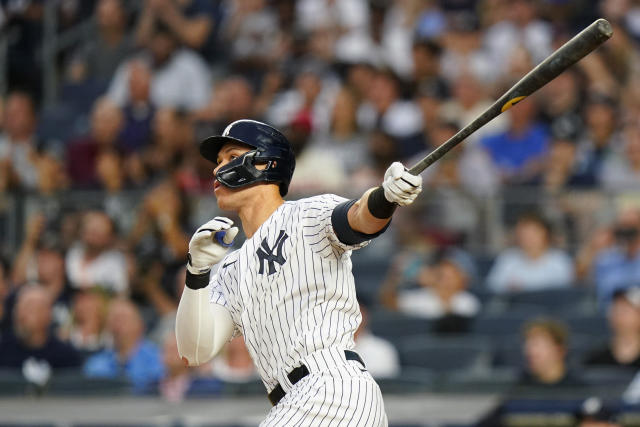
<point x="400" y="186"/>
<point x="209" y="244"/>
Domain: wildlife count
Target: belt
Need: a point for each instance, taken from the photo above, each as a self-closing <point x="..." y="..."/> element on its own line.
<point x="302" y="371"/>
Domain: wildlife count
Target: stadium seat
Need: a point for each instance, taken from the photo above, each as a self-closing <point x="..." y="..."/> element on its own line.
<point x="395" y="326"/>
<point x="501" y="324"/>
<point x="445" y="354"/>
<point x="551" y="301"/>
<point x="594" y="325"/>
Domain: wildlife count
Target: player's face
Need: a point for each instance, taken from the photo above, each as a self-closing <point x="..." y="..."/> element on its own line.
<point x="228" y="198"/>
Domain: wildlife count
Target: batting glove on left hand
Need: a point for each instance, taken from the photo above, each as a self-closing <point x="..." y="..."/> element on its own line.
<point x="400" y="186"/>
<point x="209" y="244"/>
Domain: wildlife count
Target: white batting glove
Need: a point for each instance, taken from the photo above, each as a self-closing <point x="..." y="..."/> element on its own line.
<point x="209" y="244"/>
<point x="400" y="186"/>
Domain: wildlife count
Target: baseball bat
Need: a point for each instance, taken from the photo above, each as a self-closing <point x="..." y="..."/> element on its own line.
<point x="568" y="54"/>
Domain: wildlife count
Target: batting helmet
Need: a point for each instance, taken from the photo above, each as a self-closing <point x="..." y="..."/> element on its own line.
<point x="271" y="148"/>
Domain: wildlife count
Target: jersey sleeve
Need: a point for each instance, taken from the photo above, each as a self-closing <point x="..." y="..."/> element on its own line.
<point x="221" y="286"/>
<point x="319" y="230"/>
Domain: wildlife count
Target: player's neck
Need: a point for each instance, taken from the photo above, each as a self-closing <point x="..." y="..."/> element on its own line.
<point x="254" y="214"/>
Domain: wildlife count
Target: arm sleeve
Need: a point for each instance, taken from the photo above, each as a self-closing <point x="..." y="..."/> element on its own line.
<point x="202" y="327"/>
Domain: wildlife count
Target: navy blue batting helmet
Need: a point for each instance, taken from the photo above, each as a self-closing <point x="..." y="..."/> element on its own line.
<point x="270" y="148"/>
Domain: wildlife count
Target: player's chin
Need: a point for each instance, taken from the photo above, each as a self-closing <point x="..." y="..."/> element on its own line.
<point x="225" y="198"/>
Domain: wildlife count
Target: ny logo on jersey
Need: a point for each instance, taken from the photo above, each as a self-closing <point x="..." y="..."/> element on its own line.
<point x="265" y="253"/>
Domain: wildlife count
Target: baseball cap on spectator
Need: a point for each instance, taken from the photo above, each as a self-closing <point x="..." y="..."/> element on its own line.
<point x="594" y="409"/>
<point x="461" y="260"/>
<point x="631" y="294"/>
<point x="566" y="128"/>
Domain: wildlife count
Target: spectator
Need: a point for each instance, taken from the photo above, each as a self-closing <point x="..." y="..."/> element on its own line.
<point x="179" y="378"/>
<point x="4" y="290"/>
<point x="99" y="55"/>
<point x="93" y="261"/>
<point x="469" y="100"/>
<point x="41" y="259"/>
<point x="232" y="99"/>
<point x="138" y="112"/>
<point x="545" y="351"/>
<point x="465" y="168"/>
<point x="426" y="56"/>
<point x="18" y="145"/>
<point x="624" y="321"/>
<point x="533" y="264"/>
<point x="192" y="21"/>
<point x="251" y="30"/>
<point x="442" y="293"/>
<point x="86" y="330"/>
<point x="344" y="141"/>
<point x="615" y="256"/>
<point x="522" y="28"/>
<point x="558" y="171"/>
<point x="180" y="78"/>
<point x="173" y="144"/>
<point x="234" y="364"/>
<point x="132" y="356"/>
<point x="158" y="235"/>
<point x="83" y="153"/>
<point x="316" y="169"/>
<point x="595" y="413"/>
<point x="621" y="171"/>
<point x="519" y="152"/>
<point x="31" y="345"/>
<point x="402" y="119"/>
<point x="599" y="139"/>
<point x="464" y="53"/>
<point x="380" y="356"/>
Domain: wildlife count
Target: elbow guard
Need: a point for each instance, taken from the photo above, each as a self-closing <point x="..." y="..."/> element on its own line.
<point x="202" y="328"/>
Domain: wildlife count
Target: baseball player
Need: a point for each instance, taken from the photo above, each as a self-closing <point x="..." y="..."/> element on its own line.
<point x="289" y="289"/>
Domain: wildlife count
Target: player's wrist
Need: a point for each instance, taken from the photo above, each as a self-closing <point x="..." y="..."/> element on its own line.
<point x="196" y="281"/>
<point x="378" y="204"/>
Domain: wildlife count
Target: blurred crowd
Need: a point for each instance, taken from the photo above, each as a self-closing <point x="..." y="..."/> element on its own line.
<point x="111" y="185"/>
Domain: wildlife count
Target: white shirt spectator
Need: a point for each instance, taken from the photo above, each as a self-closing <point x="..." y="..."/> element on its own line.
<point x="425" y="303"/>
<point x="378" y="354"/>
<point x="108" y="270"/>
<point x="503" y="37"/>
<point x="183" y="82"/>
<point x="21" y="156"/>
<point x="317" y="171"/>
<point x="402" y="119"/>
<point x="514" y="271"/>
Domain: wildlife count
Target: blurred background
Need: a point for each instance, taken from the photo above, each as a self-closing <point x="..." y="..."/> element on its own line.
<point x="509" y="294"/>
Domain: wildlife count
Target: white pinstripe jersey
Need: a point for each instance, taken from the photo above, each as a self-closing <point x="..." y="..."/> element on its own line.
<point x="289" y="288"/>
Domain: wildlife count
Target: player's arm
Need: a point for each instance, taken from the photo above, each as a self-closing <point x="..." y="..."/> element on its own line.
<point x="372" y="212"/>
<point x="202" y="328"/>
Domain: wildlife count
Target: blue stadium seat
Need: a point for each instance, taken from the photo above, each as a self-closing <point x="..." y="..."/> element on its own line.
<point x="551" y="300"/>
<point x="445" y="354"/>
<point x="500" y="324"/>
<point x="395" y="326"/>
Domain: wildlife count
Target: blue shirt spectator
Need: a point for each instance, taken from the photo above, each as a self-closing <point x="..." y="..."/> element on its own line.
<point x="613" y="270"/>
<point x="143" y="367"/>
<point x="132" y="355"/>
<point x="517" y="153"/>
<point x="511" y="152"/>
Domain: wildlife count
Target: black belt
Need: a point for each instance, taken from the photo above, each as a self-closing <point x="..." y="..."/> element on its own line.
<point x="302" y="371"/>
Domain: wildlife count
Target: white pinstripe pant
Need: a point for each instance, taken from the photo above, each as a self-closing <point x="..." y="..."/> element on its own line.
<point x="337" y="392"/>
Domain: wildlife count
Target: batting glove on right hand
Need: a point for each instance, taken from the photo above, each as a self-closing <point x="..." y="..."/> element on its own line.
<point x="209" y="244"/>
<point x="400" y="186"/>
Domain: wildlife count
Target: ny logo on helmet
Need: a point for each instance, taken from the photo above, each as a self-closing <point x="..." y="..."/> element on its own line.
<point x="265" y="253"/>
